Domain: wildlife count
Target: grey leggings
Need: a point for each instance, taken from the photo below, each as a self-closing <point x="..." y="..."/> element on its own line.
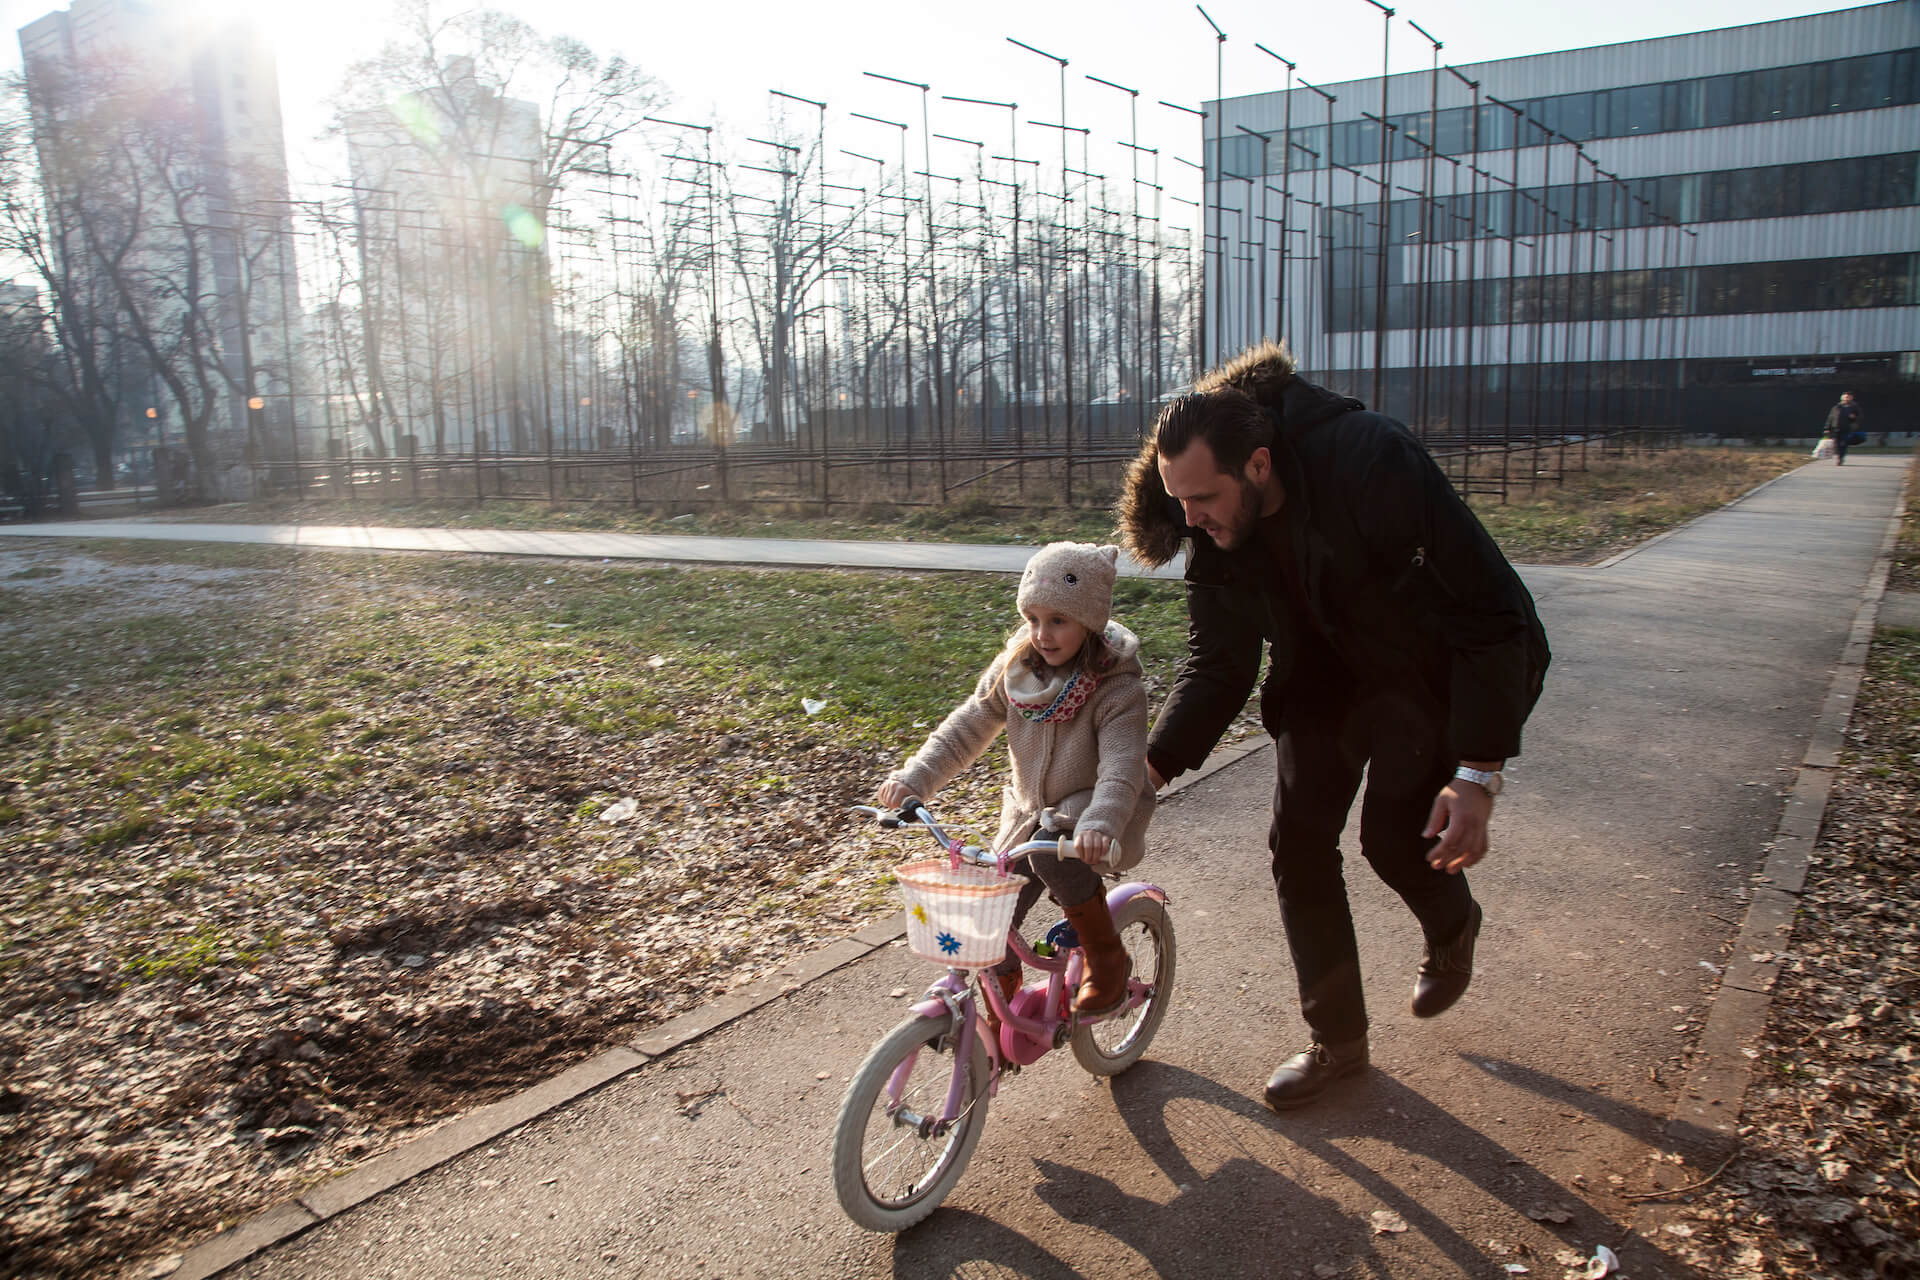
<point x="1070" y="880"/>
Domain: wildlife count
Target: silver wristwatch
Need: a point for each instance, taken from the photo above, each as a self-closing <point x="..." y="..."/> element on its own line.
<point x="1491" y="779"/>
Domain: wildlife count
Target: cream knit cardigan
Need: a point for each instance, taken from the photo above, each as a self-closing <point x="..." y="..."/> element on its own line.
<point x="1088" y="773"/>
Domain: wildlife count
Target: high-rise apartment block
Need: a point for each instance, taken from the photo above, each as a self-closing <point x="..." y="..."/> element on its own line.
<point x="163" y="135"/>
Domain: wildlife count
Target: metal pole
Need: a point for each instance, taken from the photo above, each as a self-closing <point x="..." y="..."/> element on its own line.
<point x="1219" y="185"/>
<point x="1386" y="162"/>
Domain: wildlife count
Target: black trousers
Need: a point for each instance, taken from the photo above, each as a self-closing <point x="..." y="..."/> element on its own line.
<point x="1329" y="730"/>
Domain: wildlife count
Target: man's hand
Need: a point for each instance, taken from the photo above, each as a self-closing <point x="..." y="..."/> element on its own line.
<point x="1091" y="846"/>
<point x="1460" y="815"/>
<point x="892" y="794"/>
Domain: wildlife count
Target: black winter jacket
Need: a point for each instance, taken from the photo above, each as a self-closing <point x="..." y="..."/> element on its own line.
<point x="1399" y="578"/>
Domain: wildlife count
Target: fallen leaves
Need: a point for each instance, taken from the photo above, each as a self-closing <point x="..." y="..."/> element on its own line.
<point x="1822" y="1184"/>
<point x="312" y="938"/>
<point x="1387" y="1222"/>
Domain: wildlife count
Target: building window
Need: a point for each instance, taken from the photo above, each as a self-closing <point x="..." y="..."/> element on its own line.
<point x="1746" y="97"/>
<point x="1723" y="195"/>
<point x="1741" y="288"/>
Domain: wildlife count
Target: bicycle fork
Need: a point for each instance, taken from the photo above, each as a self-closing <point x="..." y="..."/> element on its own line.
<point x="945" y="994"/>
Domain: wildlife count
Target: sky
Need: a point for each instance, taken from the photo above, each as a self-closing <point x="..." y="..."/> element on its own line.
<point x="718" y="60"/>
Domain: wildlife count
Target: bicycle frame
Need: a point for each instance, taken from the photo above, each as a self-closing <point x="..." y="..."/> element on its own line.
<point x="953" y="993"/>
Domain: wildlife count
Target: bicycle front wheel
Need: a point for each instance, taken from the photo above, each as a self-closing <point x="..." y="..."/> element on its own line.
<point x="1110" y="1046"/>
<point x="893" y="1161"/>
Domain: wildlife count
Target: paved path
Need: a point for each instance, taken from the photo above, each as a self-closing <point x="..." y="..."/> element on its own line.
<point x="1632" y="847"/>
<point x="816" y="553"/>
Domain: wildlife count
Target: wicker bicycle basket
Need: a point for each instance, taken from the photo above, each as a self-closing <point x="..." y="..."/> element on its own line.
<point x="957" y="916"/>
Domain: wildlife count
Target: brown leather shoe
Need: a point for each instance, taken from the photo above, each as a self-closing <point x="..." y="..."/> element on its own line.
<point x="1306" y="1075"/>
<point x="1103" y="987"/>
<point x="1446" y="971"/>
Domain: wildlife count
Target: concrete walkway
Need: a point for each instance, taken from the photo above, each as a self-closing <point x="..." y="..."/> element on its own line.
<point x="1647" y="860"/>
<point x="791" y="552"/>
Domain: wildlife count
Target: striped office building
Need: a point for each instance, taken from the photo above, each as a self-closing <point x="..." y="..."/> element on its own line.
<point x="1717" y="231"/>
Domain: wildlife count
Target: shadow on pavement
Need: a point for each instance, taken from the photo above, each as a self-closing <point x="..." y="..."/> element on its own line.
<point x="1675" y="1136"/>
<point x="948" y="1243"/>
<point x="1241" y="1201"/>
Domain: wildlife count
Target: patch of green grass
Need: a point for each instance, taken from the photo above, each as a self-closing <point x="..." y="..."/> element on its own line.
<point x="124" y="829"/>
<point x="25" y="727"/>
<point x="184" y="958"/>
<point x="249" y="768"/>
<point x="37" y="571"/>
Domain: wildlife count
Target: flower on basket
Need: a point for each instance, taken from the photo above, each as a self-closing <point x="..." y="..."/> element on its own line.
<point x="919" y="913"/>
<point x="948" y="943"/>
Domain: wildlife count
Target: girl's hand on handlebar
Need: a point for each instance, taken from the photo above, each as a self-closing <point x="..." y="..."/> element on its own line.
<point x="892" y="794"/>
<point x="1091" y="846"/>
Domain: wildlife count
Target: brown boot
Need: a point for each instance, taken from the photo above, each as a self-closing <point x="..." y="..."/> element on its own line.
<point x="1108" y="966"/>
<point x="1011" y="977"/>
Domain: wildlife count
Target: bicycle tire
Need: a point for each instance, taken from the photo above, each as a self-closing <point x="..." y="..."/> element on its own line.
<point x="887" y="1175"/>
<point x="1109" y="1047"/>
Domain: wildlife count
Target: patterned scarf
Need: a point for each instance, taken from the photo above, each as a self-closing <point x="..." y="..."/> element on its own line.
<point x="1051" y="698"/>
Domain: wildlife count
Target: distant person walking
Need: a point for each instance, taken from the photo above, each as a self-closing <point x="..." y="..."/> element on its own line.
<point x="1844" y="423"/>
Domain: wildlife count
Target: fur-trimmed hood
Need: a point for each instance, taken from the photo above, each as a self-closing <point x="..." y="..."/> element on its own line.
<point x="1151" y="524"/>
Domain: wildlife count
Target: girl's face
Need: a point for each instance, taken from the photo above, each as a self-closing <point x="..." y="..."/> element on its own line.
<point x="1056" y="637"/>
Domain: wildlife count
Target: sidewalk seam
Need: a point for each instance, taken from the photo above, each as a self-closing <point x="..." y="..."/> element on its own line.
<point x="1707" y="1111"/>
<point x="465" y="1132"/>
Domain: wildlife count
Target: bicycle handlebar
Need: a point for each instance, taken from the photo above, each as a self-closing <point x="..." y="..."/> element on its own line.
<point x="914" y="813"/>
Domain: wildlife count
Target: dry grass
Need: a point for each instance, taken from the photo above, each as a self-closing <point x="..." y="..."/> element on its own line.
<point x="1906" y="553"/>
<point x="1620" y="501"/>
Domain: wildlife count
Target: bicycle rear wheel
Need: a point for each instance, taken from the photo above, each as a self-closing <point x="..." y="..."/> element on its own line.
<point x="891" y="1164"/>
<point x="1109" y="1047"/>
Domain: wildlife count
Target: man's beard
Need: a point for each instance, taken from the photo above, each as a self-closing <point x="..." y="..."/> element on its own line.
<point x="1239" y="527"/>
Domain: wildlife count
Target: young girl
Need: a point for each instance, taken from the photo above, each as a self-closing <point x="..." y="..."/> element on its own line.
<point x="1068" y="691"/>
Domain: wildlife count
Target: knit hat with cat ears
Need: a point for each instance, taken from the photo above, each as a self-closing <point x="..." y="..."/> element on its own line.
<point x="1074" y="579"/>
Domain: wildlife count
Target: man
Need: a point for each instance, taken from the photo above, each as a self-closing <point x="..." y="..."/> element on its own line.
<point x="1843" y="420"/>
<point x="1401" y="643"/>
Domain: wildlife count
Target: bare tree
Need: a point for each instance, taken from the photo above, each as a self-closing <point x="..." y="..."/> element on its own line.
<point x="32" y="429"/>
<point x="782" y="250"/>
<point x="85" y="374"/>
<point x="465" y="130"/>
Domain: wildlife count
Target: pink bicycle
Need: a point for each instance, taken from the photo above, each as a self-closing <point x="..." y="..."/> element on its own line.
<point x="916" y="1108"/>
